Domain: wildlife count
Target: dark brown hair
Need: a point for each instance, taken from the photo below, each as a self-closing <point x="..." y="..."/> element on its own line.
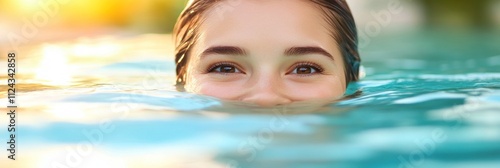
<point x="337" y="13"/>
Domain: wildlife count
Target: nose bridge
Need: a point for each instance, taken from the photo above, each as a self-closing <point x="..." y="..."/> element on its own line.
<point x="266" y="82"/>
<point x="267" y="90"/>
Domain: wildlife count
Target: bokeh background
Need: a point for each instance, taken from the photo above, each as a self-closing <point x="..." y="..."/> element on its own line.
<point x="70" y="18"/>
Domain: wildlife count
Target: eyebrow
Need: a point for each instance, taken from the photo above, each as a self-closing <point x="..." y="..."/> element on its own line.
<point x="224" y="50"/>
<point x="307" y="50"/>
<point x="293" y="51"/>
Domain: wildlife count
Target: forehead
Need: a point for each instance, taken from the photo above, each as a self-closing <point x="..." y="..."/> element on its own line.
<point x="290" y="19"/>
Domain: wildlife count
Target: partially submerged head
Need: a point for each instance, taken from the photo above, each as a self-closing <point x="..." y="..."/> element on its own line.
<point x="268" y="52"/>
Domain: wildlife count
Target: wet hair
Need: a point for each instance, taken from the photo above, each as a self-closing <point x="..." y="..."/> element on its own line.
<point x="337" y="14"/>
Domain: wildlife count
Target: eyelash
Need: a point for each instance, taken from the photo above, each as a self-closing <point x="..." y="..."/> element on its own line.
<point x="319" y="69"/>
<point x="216" y="65"/>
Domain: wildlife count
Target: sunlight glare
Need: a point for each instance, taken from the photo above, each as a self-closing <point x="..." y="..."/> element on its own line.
<point x="103" y="49"/>
<point x="28" y="4"/>
<point x="54" y="68"/>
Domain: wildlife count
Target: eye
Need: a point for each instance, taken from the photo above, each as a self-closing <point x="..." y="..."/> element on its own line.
<point x="306" y="69"/>
<point x="223" y="68"/>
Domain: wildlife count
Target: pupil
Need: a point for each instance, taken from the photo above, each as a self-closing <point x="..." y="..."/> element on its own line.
<point x="228" y="69"/>
<point x="304" y="70"/>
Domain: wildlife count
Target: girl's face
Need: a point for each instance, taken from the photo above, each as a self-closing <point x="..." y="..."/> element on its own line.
<point x="266" y="52"/>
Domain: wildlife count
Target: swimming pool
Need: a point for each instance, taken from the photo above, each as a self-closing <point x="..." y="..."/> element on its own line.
<point x="429" y="100"/>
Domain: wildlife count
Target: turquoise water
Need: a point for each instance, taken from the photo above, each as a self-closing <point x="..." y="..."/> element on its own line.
<point x="427" y="101"/>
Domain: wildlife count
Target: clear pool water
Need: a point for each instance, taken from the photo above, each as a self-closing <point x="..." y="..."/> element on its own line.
<point x="429" y="100"/>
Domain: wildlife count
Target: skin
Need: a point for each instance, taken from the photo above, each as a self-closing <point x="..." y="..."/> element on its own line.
<point x="267" y="53"/>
